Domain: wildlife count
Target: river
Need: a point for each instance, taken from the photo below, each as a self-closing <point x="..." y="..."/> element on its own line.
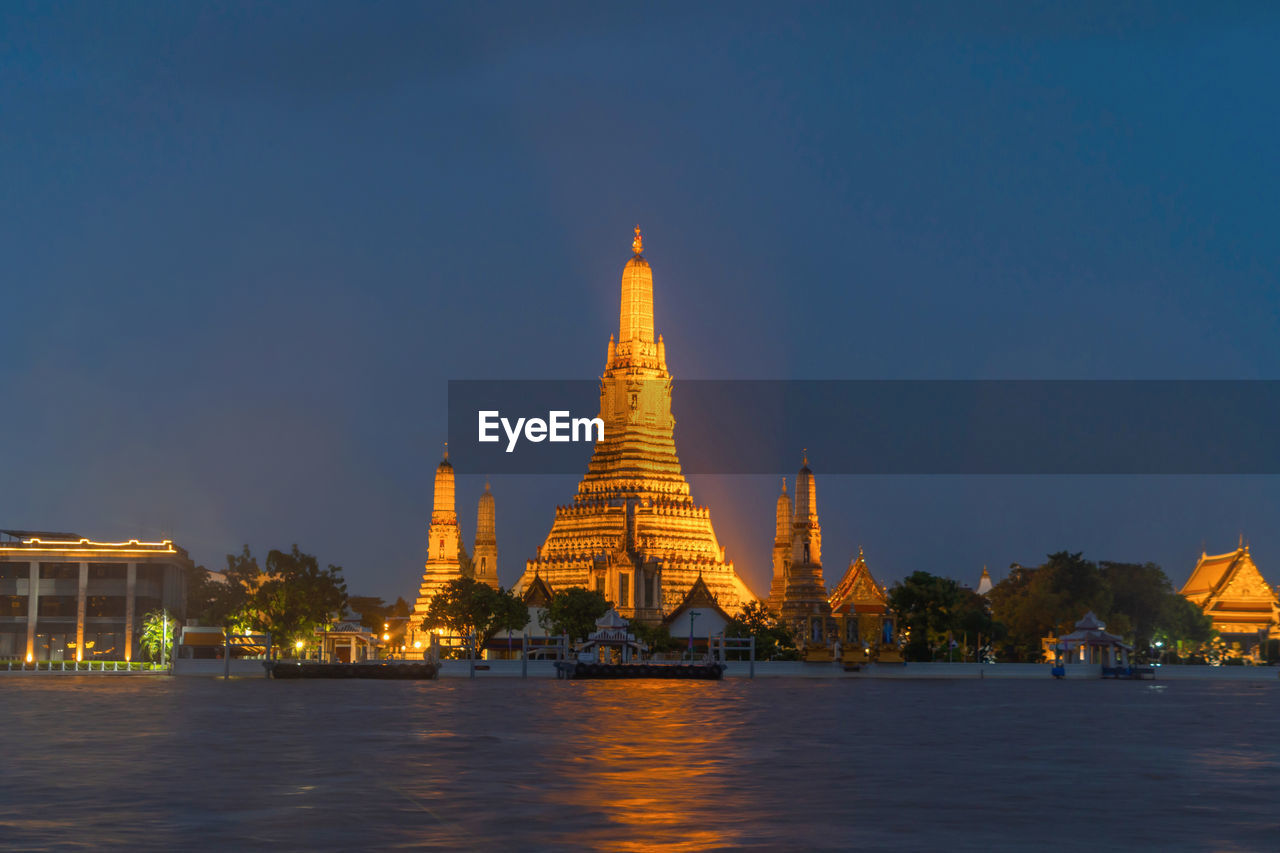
<point x="195" y="764"/>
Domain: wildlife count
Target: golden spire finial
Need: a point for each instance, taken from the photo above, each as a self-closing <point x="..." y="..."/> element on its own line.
<point x="446" y="450"/>
<point x="805" y="456"/>
<point x="637" y="245"/>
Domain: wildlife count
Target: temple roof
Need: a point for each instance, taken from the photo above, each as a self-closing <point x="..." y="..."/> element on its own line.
<point x="858" y="589"/>
<point x="1091" y="632"/>
<point x="538" y="594"/>
<point x="1234" y="573"/>
<point x="699" y="595"/>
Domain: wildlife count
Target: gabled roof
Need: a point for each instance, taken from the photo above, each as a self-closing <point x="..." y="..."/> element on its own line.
<point x="699" y="595"/>
<point x="538" y="594"/>
<point x="1234" y="571"/>
<point x="857" y="590"/>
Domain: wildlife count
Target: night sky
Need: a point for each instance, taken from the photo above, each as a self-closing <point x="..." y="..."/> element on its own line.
<point x="243" y="248"/>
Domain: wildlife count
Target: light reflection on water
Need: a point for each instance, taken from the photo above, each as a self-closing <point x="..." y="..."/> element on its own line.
<point x="334" y="765"/>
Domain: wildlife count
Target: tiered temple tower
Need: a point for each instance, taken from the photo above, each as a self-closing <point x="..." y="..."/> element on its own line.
<point x="484" y="560"/>
<point x="806" y="591"/>
<point x="633" y="531"/>
<point x="443" y="563"/>
<point x="781" y="550"/>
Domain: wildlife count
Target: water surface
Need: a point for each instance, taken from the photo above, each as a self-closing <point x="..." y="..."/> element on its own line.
<point x="545" y="765"/>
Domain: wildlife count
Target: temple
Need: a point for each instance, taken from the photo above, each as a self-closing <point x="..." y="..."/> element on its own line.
<point x="804" y="591"/>
<point x="1231" y="591"/>
<point x="781" y="550"/>
<point x="858" y="592"/>
<point x="484" y="560"/>
<point x="633" y="531"/>
<point x="444" y="555"/>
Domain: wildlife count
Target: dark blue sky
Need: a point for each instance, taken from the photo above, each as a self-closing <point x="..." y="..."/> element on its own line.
<point x="244" y="247"/>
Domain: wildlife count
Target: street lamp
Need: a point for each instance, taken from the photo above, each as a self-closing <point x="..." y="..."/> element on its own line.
<point x="298" y="648"/>
<point x="692" y="615"/>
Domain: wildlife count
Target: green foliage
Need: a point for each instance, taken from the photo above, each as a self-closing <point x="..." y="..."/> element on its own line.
<point x="373" y="611"/>
<point x="774" y="640"/>
<point x="935" y="611"/>
<point x="1135" y="600"/>
<point x="292" y="597"/>
<point x="1183" y="623"/>
<point x="158" y="629"/>
<point x="1034" y="603"/>
<point x="574" y="611"/>
<point x="466" y="606"/>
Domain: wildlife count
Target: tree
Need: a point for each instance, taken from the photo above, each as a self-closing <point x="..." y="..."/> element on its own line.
<point x="510" y="613"/>
<point x="467" y="607"/>
<point x="158" y="628"/>
<point x="293" y="596"/>
<point x="1034" y="603"/>
<point x="1139" y="596"/>
<point x="1182" y="626"/>
<point x="574" y="611"/>
<point x="373" y="611"/>
<point x="926" y="606"/>
<point x="774" y="640"/>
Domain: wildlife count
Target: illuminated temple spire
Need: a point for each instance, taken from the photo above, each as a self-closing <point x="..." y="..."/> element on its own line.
<point x="781" y="549"/>
<point x="485" y="560"/>
<point x="806" y="591"/>
<point x="443" y="539"/>
<point x="633" y="531"/>
<point x="635" y="318"/>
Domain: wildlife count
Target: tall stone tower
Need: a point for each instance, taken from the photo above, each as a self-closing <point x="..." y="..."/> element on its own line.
<point x="781" y="550"/>
<point x="443" y="564"/>
<point x="484" y="560"/>
<point x="806" y="591"/>
<point x="633" y="531"/>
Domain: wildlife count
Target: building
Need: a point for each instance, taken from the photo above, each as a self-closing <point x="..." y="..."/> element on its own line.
<point x="633" y="531"/>
<point x="1089" y="643"/>
<point x="699" y="616"/>
<point x="984" y="582"/>
<point x="1232" y="592"/>
<point x="64" y="597"/>
<point x="864" y="625"/>
<point x="805" y="591"/>
<point x="781" y="550"/>
<point x="485" y="556"/>
<point x="444" y="555"/>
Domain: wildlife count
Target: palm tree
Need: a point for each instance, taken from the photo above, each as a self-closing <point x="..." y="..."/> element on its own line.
<point x="158" y="627"/>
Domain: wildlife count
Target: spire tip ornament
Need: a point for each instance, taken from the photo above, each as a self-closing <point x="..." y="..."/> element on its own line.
<point x="637" y="245"/>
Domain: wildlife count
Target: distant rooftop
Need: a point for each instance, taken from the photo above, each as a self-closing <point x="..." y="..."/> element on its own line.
<point x="20" y="535"/>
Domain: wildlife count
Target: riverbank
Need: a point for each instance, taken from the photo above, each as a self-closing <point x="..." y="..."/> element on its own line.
<point x="933" y="671"/>
<point x="508" y="669"/>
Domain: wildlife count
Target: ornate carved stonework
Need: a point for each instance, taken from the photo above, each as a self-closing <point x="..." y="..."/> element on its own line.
<point x="633" y="531"/>
<point x="1231" y="590"/>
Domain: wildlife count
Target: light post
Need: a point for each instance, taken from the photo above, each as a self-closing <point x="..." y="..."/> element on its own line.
<point x="297" y="649"/>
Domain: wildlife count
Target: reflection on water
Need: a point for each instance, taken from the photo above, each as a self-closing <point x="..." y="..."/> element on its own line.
<point x="546" y="765"/>
<point x="662" y="775"/>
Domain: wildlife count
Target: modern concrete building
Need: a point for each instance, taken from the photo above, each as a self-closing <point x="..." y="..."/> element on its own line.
<point x="64" y="597"/>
